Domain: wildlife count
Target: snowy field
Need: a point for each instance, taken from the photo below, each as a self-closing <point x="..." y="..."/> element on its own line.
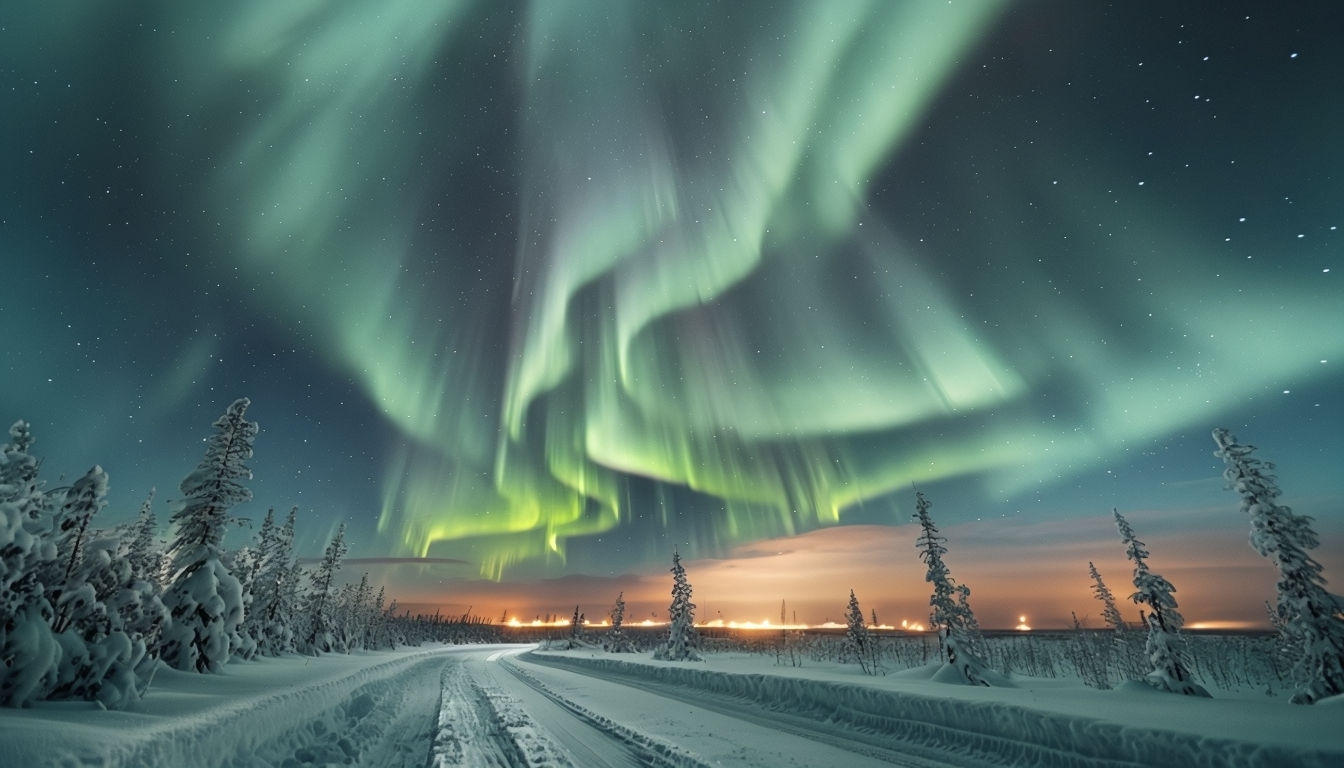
<point x="508" y="705"/>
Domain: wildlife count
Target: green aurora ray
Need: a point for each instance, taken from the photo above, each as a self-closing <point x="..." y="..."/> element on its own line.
<point x="693" y="297"/>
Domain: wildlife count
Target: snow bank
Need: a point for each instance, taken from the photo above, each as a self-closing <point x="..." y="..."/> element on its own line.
<point x="365" y="708"/>
<point x="1002" y="726"/>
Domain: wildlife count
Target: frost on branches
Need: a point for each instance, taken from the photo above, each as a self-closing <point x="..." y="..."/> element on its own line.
<point x="1166" y="651"/>
<point x="274" y="588"/>
<point x="1308" y="616"/>
<point x="615" y="640"/>
<point x="204" y="598"/>
<point x="859" y="644"/>
<point x="682" y="639"/>
<point x="319" y="634"/>
<point x="950" y="614"/>
<point x="28" y="647"/>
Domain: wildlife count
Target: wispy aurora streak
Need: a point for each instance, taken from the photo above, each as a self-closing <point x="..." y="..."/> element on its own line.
<point x="694" y="296"/>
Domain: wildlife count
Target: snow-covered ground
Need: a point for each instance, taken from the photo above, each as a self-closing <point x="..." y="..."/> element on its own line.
<point x="507" y="705"/>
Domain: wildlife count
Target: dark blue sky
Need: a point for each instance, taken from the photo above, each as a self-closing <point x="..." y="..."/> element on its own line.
<point x="548" y="289"/>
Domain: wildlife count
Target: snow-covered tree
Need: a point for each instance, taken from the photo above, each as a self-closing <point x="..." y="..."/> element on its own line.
<point x="99" y="660"/>
<point x="1110" y="612"/>
<point x="319" y="631"/>
<point x="948" y="607"/>
<point x="68" y="591"/>
<point x="971" y="627"/>
<point x="1311" y="618"/>
<point x="29" y="652"/>
<point x="1123" y="642"/>
<point x="351" y="616"/>
<point x="141" y="545"/>
<point x="616" y="640"/>
<point x="204" y="599"/>
<point x="274" y="593"/>
<point x="859" y="643"/>
<point x="950" y="612"/>
<point x="942" y="602"/>
<point x="1165" y="649"/>
<point x="682" y="639"/>
<point x="243" y="564"/>
<point x="254" y="583"/>
<point x="139" y="597"/>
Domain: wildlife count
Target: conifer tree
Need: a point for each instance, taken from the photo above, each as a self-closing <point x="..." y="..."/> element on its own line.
<point x="69" y="593"/>
<point x="255" y="584"/>
<point x="950" y="613"/>
<point x="100" y="661"/>
<point x="275" y="599"/>
<point x="1110" y="612"/>
<point x="204" y="599"/>
<point x="142" y="549"/>
<point x="616" y="640"/>
<point x="139" y="599"/>
<point x="1123" y="641"/>
<point x="1311" y="619"/>
<point x="319" y="634"/>
<point x="28" y="648"/>
<point x="858" y="640"/>
<point x="682" y="639"/>
<point x="1165" y="649"/>
<point x="931" y="550"/>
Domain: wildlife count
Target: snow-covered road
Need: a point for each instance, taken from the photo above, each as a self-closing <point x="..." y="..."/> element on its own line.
<point x="677" y="726"/>
<point x="445" y="706"/>
<point x="508" y="706"/>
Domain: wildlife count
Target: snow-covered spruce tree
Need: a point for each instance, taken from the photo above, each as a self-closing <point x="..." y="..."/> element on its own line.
<point x="275" y="599"/>
<point x="859" y="643"/>
<point x="29" y="652"/>
<point x="351" y="614"/>
<point x="254" y="585"/>
<point x="931" y="550"/>
<point x="1110" y="612"/>
<point x="204" y="599"/>
<point x="972" y="627"/>
<point x="1123" y="641"/>
<point x="375" y="634"/>
<point x="318" y="607"/>
<point x="139" y="597"/>
<point x="616" y="640"/>
<point x="948" y="615"/>
<point x="1312" y="618"/>
<point x="682" y="639"/>
<point x="141" y="547"/>
<point x="70" y="595"/>
<point x="100" y="660"/>
<point x="575" y="639"/>
<point x="242" y="563"/>
<point x="1165" y="649"/>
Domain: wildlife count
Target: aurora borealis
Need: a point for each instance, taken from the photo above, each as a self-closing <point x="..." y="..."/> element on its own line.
<point x="529" y="293"/>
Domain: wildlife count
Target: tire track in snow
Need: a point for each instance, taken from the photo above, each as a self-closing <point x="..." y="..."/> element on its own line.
<point x="470" y="731"/>
<point x="645" y="749"/>
<point x="825" y="731"/>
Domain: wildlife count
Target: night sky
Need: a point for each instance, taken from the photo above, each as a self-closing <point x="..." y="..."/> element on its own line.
<point x="530" y="294"/>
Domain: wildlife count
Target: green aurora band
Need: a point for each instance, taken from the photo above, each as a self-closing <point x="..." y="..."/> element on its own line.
<point x="700" y="300"/>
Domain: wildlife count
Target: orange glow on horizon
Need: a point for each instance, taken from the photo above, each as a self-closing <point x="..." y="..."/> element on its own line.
<point x="762" y="625"/>
<point x="1217" y="624"/>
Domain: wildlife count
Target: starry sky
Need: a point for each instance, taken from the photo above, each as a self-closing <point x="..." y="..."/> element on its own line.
<point x="528" y="294"/>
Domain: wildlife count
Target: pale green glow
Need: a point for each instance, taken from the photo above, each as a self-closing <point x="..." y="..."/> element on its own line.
<point x="701" y="299"/>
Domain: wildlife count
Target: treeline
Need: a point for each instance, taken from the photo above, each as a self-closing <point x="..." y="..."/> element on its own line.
<point x="1309" y="620"/>
<point x="90" y="613"/>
